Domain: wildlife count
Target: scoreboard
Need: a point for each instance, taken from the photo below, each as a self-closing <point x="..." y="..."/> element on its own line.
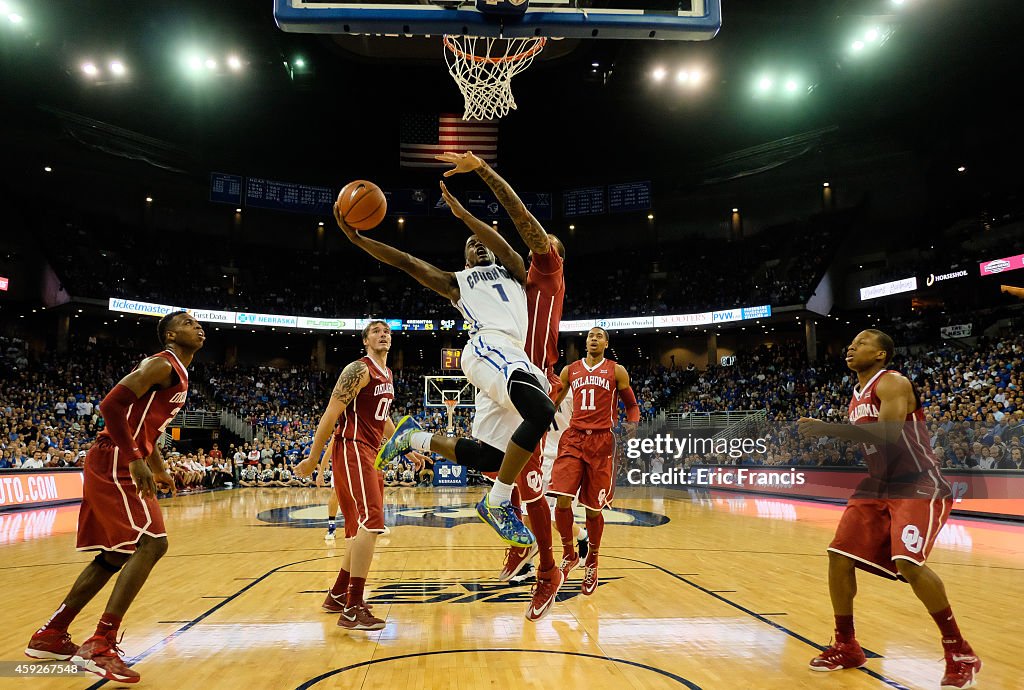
<point x="451" y="359"/>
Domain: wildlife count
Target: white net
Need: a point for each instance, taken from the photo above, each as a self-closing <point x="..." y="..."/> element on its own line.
<point x="483" y="68"/>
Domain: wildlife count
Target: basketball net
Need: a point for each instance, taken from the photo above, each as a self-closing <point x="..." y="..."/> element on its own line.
<point x="450" y="404"/>
<point x="483" y="68"/>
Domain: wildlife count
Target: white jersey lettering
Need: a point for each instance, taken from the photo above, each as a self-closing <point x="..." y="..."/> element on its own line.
<point x="492" y="301"/>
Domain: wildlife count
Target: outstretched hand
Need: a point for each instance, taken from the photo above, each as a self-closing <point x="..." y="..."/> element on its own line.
<point x="457" y="209"/>
<point x="811" y="428"/>
<point x="463" y="162"/>
<point x="351" y="233"/>
<point x="305" y="468"/>
<point x="418" y="460"/>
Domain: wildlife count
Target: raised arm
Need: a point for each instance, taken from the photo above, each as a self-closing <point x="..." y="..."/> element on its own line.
<point x="427" y="275"/>
<point x="353" y="379"/>
<point x="508" y="256"/>
<point x="529" y="229"/>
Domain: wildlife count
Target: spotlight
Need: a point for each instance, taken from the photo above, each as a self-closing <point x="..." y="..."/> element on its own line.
<point x="857" y="46"/>
<point x="47" y="169"/>
<point x="149" y="199"/>
<point x="90" y="69"/>
<point x="650" y="216"/>
<point x="234" y="63"/>
<point x="238" y="210"/>
<point x="824" y="184"/>
<point x="961" y="169"/>
<point x="15" y="18"/>
<point x="764" y="84"/>
<point x="735" y="210"/>
<point x="320" y="224"/>
<point x="791" y="85"/>
<point x="871" y="35"/>
<point x="659" y="73"/>
<point x="300" y="63"/>
<point x="210" y="63"/>
<point x="117" y="68"/>
<point x="683" y="76"/>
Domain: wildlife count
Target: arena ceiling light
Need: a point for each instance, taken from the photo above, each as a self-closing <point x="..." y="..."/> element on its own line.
<point x="117" y="68"/>
<point x="90" y="69"/>
<point x="869" y="38"/>
<point x="659" y="74"/>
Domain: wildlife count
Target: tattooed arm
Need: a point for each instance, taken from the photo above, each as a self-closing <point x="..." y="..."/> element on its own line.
<point x="352" y="380"/>
<point x="529" y="229"/>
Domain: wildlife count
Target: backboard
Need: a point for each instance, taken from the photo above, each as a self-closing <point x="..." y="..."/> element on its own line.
<point x="437" y="389"/>
<point x="685" y="20"/>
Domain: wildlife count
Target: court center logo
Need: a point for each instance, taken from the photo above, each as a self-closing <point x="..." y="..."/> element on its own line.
<point x="445" y="517"/>
<point x="434" y="590"/>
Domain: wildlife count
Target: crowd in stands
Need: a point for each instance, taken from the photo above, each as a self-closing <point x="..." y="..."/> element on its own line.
<point x="972" y="398"/>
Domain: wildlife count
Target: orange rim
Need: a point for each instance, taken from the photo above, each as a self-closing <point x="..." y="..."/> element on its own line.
<point x="537" y="47"/>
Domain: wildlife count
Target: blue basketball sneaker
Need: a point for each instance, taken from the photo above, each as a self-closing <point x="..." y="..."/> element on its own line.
<point x="398" y="444"/>
<point x="503" y="519"/>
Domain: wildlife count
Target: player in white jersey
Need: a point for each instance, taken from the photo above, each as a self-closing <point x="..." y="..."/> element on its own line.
<point x="513" y="409"/>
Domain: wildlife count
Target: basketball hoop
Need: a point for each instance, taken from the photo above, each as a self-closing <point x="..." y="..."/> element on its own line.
<point x="483" y="68"/>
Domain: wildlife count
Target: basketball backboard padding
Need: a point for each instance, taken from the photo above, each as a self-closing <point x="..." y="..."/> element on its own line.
<point x="555" y="18"/>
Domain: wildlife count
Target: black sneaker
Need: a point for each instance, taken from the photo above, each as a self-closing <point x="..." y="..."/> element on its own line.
<point x="583" y="547"/>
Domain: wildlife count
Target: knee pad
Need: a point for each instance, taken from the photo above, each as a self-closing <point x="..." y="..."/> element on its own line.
<point x="479" y="456"/>
<point x="105" y="564"/>
<point x="535" y="407"/>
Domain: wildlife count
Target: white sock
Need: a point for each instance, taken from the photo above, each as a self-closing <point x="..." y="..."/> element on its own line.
<point x="500" y="493"/>
<point x="582" y="535"/>
<point x="420" y="440"/>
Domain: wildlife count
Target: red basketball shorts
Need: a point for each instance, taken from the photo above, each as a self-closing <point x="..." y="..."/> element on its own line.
<point x="113" y="516"/>
<point x="877" y="531"/>
<point x="359" y="486"/>
<point x="585" y="463"/>
<point x="530" y="481"/>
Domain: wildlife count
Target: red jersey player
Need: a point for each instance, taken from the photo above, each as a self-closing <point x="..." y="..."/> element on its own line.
<point x="120" y="516"/>
<point x="895" y="514"/>
<point x="359" y="415"/>
<point x="585" y="462"/>
<point x="545" y="295"/>
<point x="545" y="290"/>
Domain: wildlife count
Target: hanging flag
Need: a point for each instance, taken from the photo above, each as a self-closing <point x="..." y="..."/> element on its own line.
<point x="426" y="136"/>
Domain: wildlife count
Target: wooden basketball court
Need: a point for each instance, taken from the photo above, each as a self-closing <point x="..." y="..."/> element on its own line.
<point x="722" y="591"/>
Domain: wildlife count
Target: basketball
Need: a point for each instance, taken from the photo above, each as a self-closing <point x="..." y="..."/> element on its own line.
<point x="362" y="204"/>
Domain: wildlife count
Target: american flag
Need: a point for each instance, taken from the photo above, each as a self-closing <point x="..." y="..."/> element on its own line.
<point x="425" y="136"/>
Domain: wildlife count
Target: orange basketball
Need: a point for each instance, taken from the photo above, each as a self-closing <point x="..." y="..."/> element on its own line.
<point x="362" y="205"/>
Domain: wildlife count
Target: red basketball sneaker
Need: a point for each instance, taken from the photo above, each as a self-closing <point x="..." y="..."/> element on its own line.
<point x="589" y="585"/>
<point x="102" y="656"/>
<point x="962" y="667"/>
<point x="517" y="558"/>
<point x="359" y="618"/>
<point x="839" y="656"/>
<point x="51" y="644"/>
<point x="544" y="593"/>
<point x="333" y="604"/>
<point x="569" y="564"/>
